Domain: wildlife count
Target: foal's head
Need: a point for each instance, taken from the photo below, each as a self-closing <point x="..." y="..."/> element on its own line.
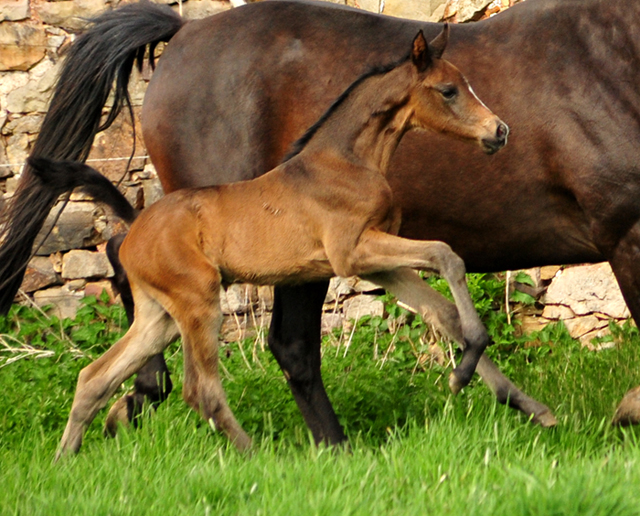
<point x="442" y="99"/>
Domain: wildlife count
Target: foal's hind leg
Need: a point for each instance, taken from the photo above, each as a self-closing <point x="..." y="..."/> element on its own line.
<point x="199" y="317"/>
<point x="379" y="252"/>
<point x="150" y="333"/>
<point x="153" y="381"/>
<point x="409" y="288"/>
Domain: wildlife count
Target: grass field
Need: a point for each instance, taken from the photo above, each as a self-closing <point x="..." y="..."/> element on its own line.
<point x="414" y="449"/>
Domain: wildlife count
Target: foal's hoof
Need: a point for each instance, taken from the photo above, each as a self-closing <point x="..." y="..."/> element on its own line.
<point x="61" y="453"/>
<point x="628" y="412"/>
<point x="118" y="414"/>
<point x="545" y="419"/>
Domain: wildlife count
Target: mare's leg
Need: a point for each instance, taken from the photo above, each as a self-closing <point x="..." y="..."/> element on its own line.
<point x="409" y="288"/>
<point x="153" y="382"/>
<point x="151" y="332"/>
<point x="625" y="262"/>
<point x="294" y="339"/>
<point x="120" y="280"/>
<point x="379" y="252"/>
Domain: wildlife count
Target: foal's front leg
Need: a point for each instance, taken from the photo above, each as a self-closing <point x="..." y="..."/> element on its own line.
<point x="408" y="287"/>
<point x="379" y="252"/>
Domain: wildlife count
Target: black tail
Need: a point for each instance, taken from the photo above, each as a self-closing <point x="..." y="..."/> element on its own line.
<point x="103" y="55"/>
<point x="63" y="176"/>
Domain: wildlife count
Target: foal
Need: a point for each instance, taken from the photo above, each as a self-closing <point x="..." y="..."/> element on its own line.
<point x="326" y="210"/>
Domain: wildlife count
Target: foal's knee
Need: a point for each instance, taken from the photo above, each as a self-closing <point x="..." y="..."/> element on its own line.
<point x="451" y="264"/>
<point x="190" y="394"/>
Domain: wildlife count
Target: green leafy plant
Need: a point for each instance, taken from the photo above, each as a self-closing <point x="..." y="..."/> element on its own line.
<point x="412" y="444"/>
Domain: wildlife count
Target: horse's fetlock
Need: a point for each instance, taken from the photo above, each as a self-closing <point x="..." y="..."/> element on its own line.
<point x="190" y="395"/>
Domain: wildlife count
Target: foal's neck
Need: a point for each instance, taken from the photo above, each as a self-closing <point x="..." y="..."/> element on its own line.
<point x="368" y="125"/>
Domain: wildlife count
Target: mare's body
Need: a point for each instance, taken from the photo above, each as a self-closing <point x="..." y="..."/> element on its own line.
<point x="564" y="75"/>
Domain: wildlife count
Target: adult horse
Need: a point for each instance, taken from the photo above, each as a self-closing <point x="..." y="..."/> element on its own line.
<point x="231" y="92"/>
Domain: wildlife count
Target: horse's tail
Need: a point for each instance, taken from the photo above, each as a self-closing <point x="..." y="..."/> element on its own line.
<point x="61" y="177"/>
<point x="101" y="60"/>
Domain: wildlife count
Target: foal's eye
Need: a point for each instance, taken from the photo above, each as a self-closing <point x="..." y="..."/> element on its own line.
<point x="449" y="92"/>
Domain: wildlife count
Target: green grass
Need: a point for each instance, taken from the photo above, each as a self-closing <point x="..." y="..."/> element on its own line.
<point x="414" y="448"/>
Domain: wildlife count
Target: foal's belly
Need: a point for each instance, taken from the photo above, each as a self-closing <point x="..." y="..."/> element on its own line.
<point x="273" y="265"/>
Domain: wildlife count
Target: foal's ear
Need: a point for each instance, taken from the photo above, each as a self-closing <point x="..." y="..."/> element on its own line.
<point x="420" y="53"/>
<point x="439" y="43"/>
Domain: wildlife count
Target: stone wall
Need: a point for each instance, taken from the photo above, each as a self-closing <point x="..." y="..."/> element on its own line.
<point x="34" y="35"/>
<point x="586" y="298"/>
<point x="71" y="263"/>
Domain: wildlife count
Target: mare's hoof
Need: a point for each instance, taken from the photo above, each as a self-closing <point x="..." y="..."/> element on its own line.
<point x="628" y="412"/>
<point x="118" y="414"/>
<point x="545" y="419"/>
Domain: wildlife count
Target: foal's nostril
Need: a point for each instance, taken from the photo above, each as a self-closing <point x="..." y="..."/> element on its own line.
<point x="494" y="143"/>
<point x="502" y="131"/>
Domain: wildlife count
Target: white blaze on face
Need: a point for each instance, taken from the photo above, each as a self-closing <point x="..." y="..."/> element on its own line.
<point x="476" y="96"/>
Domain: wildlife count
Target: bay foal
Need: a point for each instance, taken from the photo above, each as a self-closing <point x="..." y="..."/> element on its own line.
<point x="326" y="210"/>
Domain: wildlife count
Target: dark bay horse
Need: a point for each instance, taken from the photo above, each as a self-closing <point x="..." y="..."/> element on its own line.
<point x="233" y="91"/>
<point x="326" y="210"/>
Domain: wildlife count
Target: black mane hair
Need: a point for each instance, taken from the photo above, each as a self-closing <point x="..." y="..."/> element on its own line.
<point x="300" y="143"/>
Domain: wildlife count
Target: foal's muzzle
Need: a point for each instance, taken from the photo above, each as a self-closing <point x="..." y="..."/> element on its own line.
<point x="499" y="139"/>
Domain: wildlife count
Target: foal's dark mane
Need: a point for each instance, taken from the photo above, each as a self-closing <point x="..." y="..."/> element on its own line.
<point x="300" y="143"/>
